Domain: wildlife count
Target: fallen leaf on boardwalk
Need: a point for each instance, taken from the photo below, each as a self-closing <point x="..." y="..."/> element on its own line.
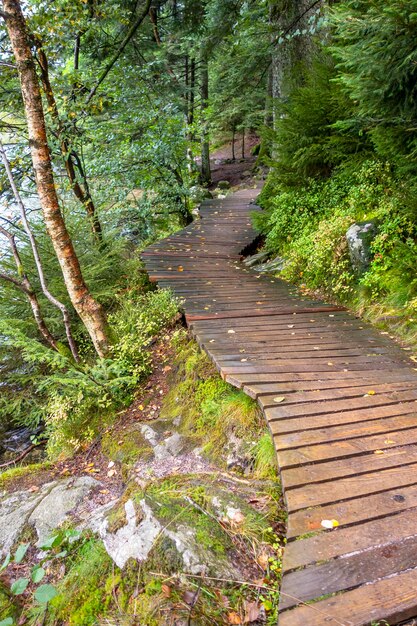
<point x="388" y="442"/>
<point x="279" y="399"/>
<point x="329" y="363"/>
<point x="243" y="360"/>
<point x="252" y="611"/>
<point x="180" y="269"/>
<point x="290" y="325"/>
<point x="378" y="452"/>
<point x="414" y="358"/>
<point x="212" y="341"/>
<point x="231" y="331"/>
<point x="329" y="523"/>
<point x="233" y="618"/>
<point x="370" y="393"/>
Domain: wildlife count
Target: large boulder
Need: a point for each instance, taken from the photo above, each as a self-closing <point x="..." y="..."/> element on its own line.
<point x="44" y="510"/>
<point x="359" y="238"/>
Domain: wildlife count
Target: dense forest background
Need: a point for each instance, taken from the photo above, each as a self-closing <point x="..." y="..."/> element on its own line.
<point x="112" y="113"/>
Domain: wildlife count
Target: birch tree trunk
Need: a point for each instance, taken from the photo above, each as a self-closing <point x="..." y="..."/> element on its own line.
<point x="89" y="310"/>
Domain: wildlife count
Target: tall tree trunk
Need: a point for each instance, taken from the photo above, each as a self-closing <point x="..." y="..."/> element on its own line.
<point x="205" y="146"/>
<point x="233" y="142"/>
<point x="82" y="194"/>
<point x="190" y="87"/>
<point x="243" y="143"/>
<point x="89" y="310"/>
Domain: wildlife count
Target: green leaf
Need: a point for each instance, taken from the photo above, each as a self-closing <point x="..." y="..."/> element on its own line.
<point x="6" y="562"/>
<point x="7" y="622"/>
<point x="52" y="542"/>
<point x="37" y="574"/>
<point x="45" y="593"/>
<point x="19" y="586"/>
<point x="20" y="552"/>
<point x="60" y="555"/>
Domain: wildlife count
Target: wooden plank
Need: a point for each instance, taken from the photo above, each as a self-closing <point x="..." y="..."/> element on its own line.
<point x="336" y="490"/>
<point x="354" y="511"/>
<point x="344" y="541"/>
<point x="344" y="448"/>
<point x="348" y="572"/>
<point x="349" y="466"/>
<point x="363" y="402"/>
<point x="392" y="599"/>
<point x="399" y="420"/>
<point x="306" y="390"/>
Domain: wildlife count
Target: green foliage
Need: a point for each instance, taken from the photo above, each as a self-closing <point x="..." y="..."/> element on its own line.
<point x="212" y="410"/>
<point x="74" y="400"/>
<point x="375" y="49"/>
<point x="306" y="142"/>
<point x="308" y="227"/>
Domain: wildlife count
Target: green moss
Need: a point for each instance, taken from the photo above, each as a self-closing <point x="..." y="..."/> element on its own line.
<point x="7" y="606"/>
<point x="211" y="409"/>
<point x="126" y="448"/>
<point x="9" y="476"/>
<point x="85" y="591"/>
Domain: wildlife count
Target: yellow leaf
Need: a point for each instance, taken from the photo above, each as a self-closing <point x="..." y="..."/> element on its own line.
<point x="279" y="399"/>
<point x="371" y="393"/>
<point x="378" y="452"/>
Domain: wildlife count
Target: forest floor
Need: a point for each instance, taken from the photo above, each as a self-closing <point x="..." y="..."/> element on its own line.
<point x="238" y="172"/>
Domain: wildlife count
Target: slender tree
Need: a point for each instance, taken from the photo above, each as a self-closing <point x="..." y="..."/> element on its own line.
<point x="205" y="145"/>
<point x="89" y="310"/>
<point x="72" y="160"/>
<point x="39" y="267"/>
<point x="24" y="285"/>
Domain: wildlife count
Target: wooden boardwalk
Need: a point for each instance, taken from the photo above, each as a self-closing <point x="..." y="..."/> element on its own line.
<point x="340" y="400"/>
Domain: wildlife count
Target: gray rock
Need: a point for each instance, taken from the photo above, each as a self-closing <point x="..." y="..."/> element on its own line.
<point x="55" y="507"/>
<point x="134" y="540"/>
<point x="359" y="238"/>
<point x="138" y="536"/>
<point x="44" y="511"/>
<point x="272" y="266"/>
<point x="170" y="447"/>
<point x="199" y="193"/>
<point x="223" y="184"/>
<point x="255" y="259"/>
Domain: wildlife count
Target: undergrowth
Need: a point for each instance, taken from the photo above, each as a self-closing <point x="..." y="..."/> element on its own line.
<point x="215" y="412"/>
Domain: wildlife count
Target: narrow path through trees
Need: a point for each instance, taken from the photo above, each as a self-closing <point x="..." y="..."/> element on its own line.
<point x="340" y="400"/>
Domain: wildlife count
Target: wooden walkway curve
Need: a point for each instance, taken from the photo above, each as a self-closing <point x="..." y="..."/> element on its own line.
<point x="340" y="400"/>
